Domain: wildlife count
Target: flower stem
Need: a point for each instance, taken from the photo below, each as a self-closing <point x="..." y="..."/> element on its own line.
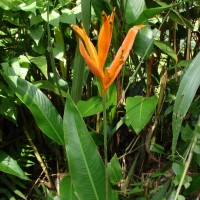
<point x="105" y="143"/>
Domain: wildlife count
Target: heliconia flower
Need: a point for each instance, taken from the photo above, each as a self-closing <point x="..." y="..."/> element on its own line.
<point x="96" y="60"/>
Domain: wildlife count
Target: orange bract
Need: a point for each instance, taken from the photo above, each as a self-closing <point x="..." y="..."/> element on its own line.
<point x="96" y="61"/>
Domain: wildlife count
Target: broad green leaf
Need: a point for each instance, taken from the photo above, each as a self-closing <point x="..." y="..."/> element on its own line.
<point x="36" y="33"/>
<point x="85" y="164"/>
<point x="114" y="170"/>
<point x="31" y="7"/>
<point x="144" y="40"/>
<point x="177" y="169"/>
<point x="186" y="92"/>
<point x="68" y="18"/>
<point x="143" y="44"/>
<point x="166" y="48"/>
<point x="35" y="19"/>
<point x="139" y="111"/>
<point x="54" y="18"/>
<point x="133" y="10"/>
<point x="44" y="112"/>
<point x="90" y="107"/>
<point x="94" y="105"/>
<point x="10" y="166"/>
<point x="41" y="63"/>
<point x="67" y="191"/>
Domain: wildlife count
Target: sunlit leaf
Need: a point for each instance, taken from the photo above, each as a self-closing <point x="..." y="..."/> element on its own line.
<point x="30" y="7"/>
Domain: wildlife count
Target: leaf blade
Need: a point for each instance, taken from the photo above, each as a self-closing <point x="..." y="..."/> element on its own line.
<point x="85" y="163"/>
<point x="45" y="114"/>
<point x="139" y="111"/>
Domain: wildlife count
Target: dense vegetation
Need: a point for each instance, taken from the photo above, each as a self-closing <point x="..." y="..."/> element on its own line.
<point x="56" y="133"/>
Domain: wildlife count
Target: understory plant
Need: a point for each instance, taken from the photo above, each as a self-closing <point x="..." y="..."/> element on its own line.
<point x="126" y="126"/>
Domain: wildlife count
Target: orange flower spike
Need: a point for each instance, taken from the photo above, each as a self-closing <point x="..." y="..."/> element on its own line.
<point x="90" y="47"/>
<point x="120" y="58"/>
<point x="90" y="63"/>
<point x="105" y="37"/>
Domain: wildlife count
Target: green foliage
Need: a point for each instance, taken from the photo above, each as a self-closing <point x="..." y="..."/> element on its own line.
<point x="186" y="92"/>
<point x="139" y="111"/>
<point x="10" y="166"/>
<point x="51" y="113"/>
<point x="85" y="163"/>
<point x="42" y="109"/>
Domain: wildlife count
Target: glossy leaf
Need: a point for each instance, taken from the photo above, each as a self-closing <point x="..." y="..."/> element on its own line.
<point x="186" y="92"/>
<point x="144" y="41"/>
<point x="66" y="189"/>
<point x="44" y="112"/>
<point x="139" y="111"/>
<point x="85" y="163"/>
<point x="10" y="166"/>
<point x="133" y="10"/>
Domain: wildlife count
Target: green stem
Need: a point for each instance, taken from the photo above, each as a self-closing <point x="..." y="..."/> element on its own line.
<point x="105" y="143"/>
